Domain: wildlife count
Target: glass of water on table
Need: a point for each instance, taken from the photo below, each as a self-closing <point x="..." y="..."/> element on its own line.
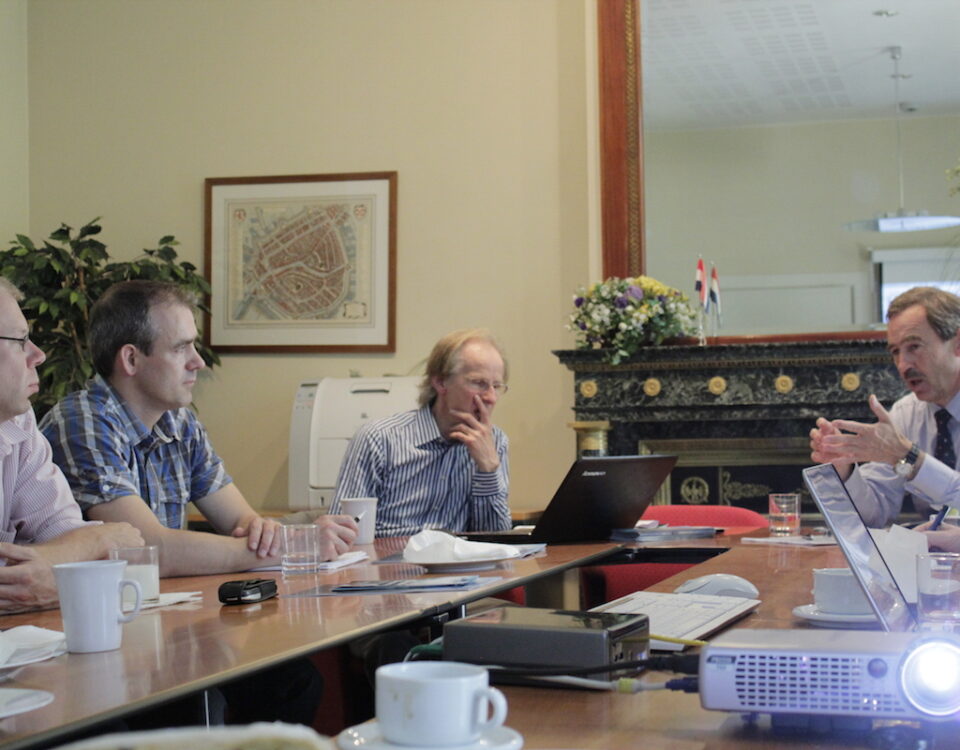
<point x="784" y="514"/>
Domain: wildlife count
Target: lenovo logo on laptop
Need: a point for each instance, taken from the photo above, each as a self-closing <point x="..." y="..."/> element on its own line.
<point x="594" y="474"/>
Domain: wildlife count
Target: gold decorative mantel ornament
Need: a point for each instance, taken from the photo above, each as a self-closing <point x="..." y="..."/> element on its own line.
<point x="591" y="437"/>
<point x="784" y="384"/>
<point x="652" y="387"/>
<point x="717" y="385"/>
<point x="588" y="388"/>
<point x="850" y="381"/>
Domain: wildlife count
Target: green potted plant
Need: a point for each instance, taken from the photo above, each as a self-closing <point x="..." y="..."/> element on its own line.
<point x="62" y="278"/>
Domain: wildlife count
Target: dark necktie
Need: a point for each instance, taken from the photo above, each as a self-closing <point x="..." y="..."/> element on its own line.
<point x="943" y="450"/>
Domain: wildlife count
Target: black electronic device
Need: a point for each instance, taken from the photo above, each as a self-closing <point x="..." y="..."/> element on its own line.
<point x="511" y="636"/>
<point x="249" y="591"/>
<point x="599" y="494"/>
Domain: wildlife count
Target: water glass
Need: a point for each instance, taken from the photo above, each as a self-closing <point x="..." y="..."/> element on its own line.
<point x="784" y="514"/>
<point x="301" y="548"/>
<point x="938" y="591"/>
<point x="143" y="566"/>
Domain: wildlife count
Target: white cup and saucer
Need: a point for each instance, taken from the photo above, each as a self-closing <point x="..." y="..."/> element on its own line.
<point x="838" y="601"/>
<point x="434" y="705"/>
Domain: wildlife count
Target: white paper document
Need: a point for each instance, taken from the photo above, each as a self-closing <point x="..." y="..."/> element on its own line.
<point x="803" y="540"/>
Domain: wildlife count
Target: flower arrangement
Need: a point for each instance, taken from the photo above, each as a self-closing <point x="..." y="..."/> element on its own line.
<point x="622" y="315"/>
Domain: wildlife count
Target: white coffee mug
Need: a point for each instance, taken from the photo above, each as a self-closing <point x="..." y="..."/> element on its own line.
<point x="90" y="595"/>
<point x="836" y="591"/>
<point x="436" y="703"/>
<point x="364" y="508"/>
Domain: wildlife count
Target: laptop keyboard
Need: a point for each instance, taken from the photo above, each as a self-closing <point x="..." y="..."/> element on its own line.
<point x="685" y="616"/>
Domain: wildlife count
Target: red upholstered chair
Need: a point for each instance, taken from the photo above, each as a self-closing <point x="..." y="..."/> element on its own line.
<point x="721" y="516"/>
<point x="602" y="583"/>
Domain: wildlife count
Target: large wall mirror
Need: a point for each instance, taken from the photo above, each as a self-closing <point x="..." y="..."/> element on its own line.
<point x="769" y="125"/>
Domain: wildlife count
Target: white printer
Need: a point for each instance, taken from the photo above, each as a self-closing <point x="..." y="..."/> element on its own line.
<point x="326" y="414"/>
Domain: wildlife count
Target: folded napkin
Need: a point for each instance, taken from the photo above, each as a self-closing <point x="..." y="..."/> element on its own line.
<point x="431" y="546"/>
<point x="26" y="643"/>
<point x="165" y="600"/>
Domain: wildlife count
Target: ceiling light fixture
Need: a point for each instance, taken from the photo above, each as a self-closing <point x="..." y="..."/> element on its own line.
<point x="901" y="220"/>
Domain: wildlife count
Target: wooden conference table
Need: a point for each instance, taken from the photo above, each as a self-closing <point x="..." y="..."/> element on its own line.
<point x="668" y="720"/>
<point x="171" y="651"/>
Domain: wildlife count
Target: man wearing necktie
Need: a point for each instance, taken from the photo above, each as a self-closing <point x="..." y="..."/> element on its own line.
<point x="912" y="448"/>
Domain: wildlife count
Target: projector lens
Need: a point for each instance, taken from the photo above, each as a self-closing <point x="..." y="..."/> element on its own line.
<point x="930" y="677"/>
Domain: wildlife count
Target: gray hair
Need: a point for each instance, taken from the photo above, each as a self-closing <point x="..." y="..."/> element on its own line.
<point x="444" y="359"/>
<point x="942" y="308"/>
<point x="10" y="288"/>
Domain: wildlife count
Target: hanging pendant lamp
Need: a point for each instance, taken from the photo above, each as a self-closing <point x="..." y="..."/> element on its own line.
<point x="901" y="220"/>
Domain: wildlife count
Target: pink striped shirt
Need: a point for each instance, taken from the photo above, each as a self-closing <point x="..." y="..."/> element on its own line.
<point x="36" y="504"/>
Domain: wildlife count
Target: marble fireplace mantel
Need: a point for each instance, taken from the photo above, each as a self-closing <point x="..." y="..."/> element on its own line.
<point x="743" y="402"/>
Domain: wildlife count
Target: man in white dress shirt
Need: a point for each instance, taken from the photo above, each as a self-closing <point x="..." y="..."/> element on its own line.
<point x="913" y="447"/>
<point x="40" y="523"/>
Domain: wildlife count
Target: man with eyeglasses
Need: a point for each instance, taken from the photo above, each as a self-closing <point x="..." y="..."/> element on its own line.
<point x="40" y="523"/>
<point x="443" y="465"/>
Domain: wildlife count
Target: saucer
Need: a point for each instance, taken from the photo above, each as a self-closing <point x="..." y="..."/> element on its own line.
<point x="814" y="616"/>
<point x="367" y="736"/>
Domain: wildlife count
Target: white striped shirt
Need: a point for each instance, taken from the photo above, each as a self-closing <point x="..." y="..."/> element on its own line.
<point x="36" y="504"/>
<point x="875" y="487"/>
<point x="421" y="479"/>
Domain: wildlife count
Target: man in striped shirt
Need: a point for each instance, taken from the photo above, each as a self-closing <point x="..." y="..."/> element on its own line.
<point x="132" y="450"/>
<point x="443" y="465"/>
<point x="40" y="524"/>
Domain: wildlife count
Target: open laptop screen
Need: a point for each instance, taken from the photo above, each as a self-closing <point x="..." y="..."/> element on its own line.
<point x="862" y="553"/>
<point x="598" y="494"/>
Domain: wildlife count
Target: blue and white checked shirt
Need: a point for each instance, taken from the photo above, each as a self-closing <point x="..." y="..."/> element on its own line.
<point x="106" y="452"/>
<point x="421" y="479"/>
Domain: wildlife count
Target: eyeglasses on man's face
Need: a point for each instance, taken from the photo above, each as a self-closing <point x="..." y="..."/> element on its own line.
<point x="22" y="340"/>
<point x="478" y="385"/>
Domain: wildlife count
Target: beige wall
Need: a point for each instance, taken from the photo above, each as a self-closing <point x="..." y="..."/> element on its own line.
<point x="14" y="139"/>
<point x="479" y="106"/>
<point x="773" y="200"/>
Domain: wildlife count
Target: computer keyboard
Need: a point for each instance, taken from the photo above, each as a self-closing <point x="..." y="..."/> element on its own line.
<point x="684" y="616"/>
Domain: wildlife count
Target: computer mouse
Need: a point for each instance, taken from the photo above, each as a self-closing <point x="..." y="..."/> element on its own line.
<point x="719" y="584"/>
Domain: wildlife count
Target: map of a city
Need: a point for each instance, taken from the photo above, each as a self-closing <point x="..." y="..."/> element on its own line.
<point x="300" y="261"/>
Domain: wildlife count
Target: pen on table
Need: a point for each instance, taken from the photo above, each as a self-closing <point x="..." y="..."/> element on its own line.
<point x="939" y="519"/>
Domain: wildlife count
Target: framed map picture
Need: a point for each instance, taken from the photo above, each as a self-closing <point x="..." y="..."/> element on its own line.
<point x="302" y="263"/>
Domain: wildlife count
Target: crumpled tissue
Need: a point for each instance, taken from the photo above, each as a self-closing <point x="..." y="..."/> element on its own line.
<point x="432" y="546"/>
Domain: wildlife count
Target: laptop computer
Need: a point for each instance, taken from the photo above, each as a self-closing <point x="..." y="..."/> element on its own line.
<point x="863" y="555"/>
<point x="598" y="495"/>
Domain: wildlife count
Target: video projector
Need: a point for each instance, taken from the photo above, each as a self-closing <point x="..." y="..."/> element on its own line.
<point x="873" y="675"/>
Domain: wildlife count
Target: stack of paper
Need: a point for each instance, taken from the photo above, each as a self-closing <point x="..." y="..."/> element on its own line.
<point x="662" y="533"/>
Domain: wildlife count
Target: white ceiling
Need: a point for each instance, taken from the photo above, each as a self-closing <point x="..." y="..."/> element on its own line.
<point x="726" y="63"/>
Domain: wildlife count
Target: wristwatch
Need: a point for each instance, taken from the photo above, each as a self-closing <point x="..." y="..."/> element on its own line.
<point x="905" y="466"/>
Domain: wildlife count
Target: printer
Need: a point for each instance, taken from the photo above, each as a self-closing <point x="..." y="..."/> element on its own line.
<point x="326" y="414"/>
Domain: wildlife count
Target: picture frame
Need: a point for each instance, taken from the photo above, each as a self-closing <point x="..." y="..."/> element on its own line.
<point x="301" y="263"/>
